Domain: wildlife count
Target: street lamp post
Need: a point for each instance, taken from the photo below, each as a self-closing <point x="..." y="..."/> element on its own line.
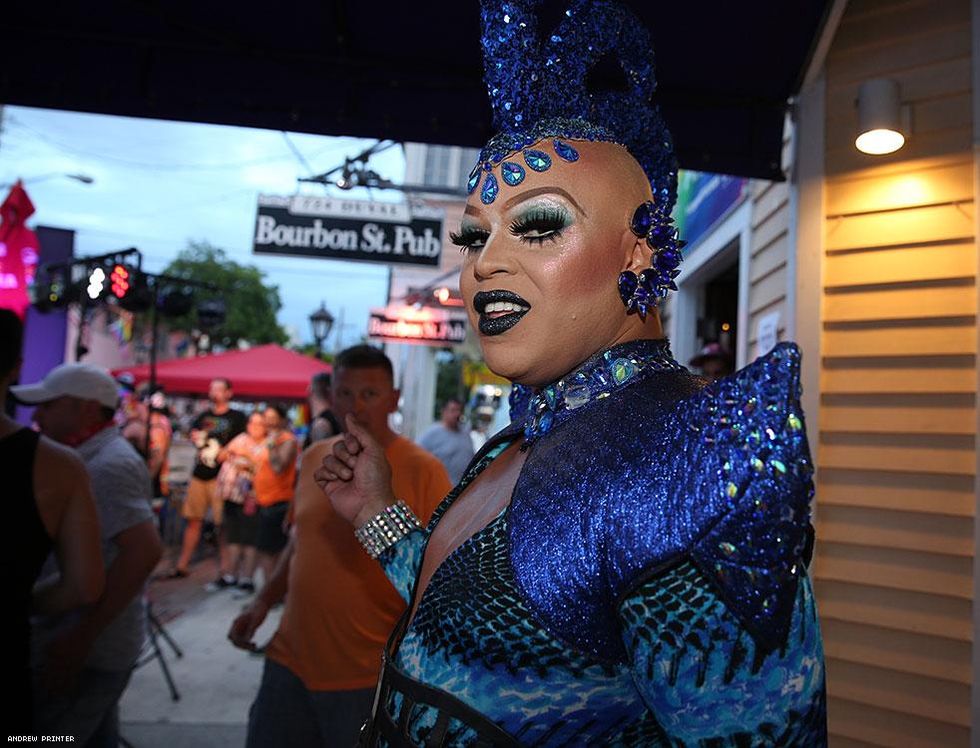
<point x="320" y="323"/>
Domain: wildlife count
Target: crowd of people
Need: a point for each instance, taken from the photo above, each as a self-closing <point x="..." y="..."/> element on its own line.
<point x="85" y="476"/>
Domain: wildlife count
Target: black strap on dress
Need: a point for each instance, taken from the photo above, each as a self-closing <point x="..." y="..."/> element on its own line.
<point x="394" y="729"/>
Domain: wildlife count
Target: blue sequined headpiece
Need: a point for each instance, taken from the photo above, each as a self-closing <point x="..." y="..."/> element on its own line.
<point x="554" y="83"/>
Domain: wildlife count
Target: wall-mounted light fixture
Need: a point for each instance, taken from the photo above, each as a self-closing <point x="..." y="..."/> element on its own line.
<point x="883" y="123"/>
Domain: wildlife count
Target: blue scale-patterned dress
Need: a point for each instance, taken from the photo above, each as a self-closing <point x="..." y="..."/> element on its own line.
<point x="646" y="584"/>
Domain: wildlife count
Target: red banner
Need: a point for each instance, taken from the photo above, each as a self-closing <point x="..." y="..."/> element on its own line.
<point x="18" y="250"/>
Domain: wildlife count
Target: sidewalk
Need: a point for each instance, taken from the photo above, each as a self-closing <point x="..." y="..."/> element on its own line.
<point x="216" y="682"/>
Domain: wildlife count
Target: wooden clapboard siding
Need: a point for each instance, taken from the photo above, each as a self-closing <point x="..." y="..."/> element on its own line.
<point x="943" y="337"/>
<point x="898" y="302"/>
<point x="937" y="657"/>
<point x="842" y="742"/>
<point x="917" y="374"/>
<point x="768" y="258"/>
<point x="927" y="80"/>
<point x="880" y="607"/>
<point x="915" y="224"/>
<point x="900" y="490"/>
<point x="767" y="290"/>
<point x="896" y="569"/>
<point x="768" y="198"/>
<point x="947" y="260"/>
<point x="769" y="251"/>
<point x="896" y="432"/>
<point x="933" y="182"/>
<point x="856" y="723"/>
<point x="915" y="695"/>
<point x="878" y="412"/>
<point x="886" y="528"/>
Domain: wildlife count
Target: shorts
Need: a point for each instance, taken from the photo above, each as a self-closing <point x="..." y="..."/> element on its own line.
<point x="286" y="712"/>
<point x="240" y="528"/>
<point x="271" y="538"/>
<point x="202" y="494"/>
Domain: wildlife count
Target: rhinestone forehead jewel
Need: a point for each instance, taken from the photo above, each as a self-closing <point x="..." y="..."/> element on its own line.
<point x="590" y="76"/>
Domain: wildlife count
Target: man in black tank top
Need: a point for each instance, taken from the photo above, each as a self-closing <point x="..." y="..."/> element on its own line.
<point x="48" y="500"/>
<point x="323" y="422"/>
<point x="83" y="662"/>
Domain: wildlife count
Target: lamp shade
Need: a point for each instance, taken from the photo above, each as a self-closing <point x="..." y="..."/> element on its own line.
<point x="879" y="117"/>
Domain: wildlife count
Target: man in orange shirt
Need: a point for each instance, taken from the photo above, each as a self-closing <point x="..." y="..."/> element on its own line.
<point x="323" y="662"/>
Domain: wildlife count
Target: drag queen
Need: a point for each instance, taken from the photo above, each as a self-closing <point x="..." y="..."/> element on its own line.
<point x="625" y="563"/>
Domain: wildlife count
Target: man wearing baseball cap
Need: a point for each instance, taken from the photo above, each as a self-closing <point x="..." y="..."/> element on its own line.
<point x="84" y="661"/>
<point x="714" y="361"/>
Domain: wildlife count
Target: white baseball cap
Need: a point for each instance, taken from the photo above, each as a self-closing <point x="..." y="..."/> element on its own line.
<point x="83" y="381"/>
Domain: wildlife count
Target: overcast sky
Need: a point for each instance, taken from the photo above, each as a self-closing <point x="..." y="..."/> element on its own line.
<point x="159" y="184"/>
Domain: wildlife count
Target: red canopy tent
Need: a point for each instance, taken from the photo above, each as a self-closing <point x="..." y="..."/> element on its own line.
<point x="266" y="371"/>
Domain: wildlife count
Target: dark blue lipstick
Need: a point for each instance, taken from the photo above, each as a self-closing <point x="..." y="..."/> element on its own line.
<point x="495" y="320"/>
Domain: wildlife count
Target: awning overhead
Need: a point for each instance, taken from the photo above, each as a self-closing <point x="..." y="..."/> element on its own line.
<point x="410" y="72"/>
<point x="263" y="372"/>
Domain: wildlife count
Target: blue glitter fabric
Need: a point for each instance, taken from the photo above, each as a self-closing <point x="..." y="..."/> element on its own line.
<point x="590" y="77"/>
<point x="518" y="401"/>
<point x="594" y="380"/>
<point x="644" y="586"/>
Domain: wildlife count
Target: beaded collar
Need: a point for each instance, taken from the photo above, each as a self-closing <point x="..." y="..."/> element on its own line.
<point x="597" y="378"/>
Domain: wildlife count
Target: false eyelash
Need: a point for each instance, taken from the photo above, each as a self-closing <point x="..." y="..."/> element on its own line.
<point x="550" y="220"/>
<point x="468" y="238"/>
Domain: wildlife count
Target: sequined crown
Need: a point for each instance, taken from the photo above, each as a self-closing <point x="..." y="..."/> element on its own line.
<point x="589" y="77"/>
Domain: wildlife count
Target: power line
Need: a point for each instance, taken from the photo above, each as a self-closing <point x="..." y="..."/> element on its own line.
<point x="296" y="152"/>
<point x="221" y="166"/>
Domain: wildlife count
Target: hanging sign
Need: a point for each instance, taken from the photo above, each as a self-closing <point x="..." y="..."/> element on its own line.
<point x="312" y="226"/>
<point x="767" y="333"/>
<point x="408" y="325"/>
<point x="702" y="199"/>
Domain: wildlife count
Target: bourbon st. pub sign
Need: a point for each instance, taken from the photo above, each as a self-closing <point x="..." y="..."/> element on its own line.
<point x="320" y="226"/>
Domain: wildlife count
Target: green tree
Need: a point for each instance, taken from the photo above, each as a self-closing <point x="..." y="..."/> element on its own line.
<point x="251" y="304"/>
<point x="309" y="349"/>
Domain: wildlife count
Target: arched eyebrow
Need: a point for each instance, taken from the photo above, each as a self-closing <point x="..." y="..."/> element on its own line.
<point x="543" y="191"/>
<point x="475" y="210"/>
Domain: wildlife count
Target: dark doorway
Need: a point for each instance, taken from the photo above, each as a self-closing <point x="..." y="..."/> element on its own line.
<point x="718" y="318"/>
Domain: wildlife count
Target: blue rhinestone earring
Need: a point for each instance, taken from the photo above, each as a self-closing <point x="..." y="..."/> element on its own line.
<point x="642" y="293"/>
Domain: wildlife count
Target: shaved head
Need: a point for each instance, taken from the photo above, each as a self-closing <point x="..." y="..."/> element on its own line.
<point x="558" y="241"/>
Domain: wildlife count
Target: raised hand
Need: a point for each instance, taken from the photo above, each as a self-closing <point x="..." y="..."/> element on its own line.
<point x="356" y="476"/>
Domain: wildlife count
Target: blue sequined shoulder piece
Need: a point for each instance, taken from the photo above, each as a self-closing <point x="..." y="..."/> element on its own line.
<point x="762" y="475"/>
<point x="664" y="471"/>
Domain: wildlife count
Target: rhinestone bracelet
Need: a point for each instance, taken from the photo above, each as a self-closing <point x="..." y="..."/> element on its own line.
<point x="386" y="528"/>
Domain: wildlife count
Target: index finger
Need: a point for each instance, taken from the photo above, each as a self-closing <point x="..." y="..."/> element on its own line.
<point x="352" y="443"/>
